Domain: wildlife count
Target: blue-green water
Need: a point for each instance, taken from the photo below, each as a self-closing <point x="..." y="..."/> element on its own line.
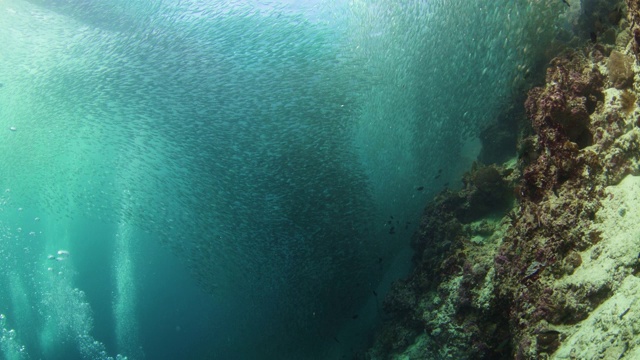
<point x="220" y="179"/>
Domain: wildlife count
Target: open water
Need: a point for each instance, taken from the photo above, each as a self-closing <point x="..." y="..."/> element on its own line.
<point x="185" y="179"/>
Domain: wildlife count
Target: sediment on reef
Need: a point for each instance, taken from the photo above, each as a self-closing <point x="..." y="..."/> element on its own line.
<point x="494" y="261"/>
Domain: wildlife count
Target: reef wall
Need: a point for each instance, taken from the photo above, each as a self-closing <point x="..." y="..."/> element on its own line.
<point x="537" y="257"/>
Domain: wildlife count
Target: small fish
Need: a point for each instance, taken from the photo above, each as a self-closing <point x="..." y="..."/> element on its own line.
<point x="437" y="176"/>
<point x="439" y="171"/>
<point x="380" y="259"/>
<point x="420" y="188"/>
<point x="1" y="85"/>
<point x="354" y="316"/>
<point x="391" y="217"/>
<point x="336" y="339"/>
<point x="566" y="2"/>
<point x="392" y="230"/>
<point x="375" y="293"/>
<point x="594" y="37"/>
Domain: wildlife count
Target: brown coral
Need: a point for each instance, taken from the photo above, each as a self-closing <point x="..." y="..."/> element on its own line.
<point x="620" y="67"/>
<point x="627" y="102"/>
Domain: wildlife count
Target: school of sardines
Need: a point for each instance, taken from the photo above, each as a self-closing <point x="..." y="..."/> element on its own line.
<point x="267" y="149"/>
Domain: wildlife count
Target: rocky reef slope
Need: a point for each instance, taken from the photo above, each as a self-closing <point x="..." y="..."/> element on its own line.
<point x="538" y="257"/>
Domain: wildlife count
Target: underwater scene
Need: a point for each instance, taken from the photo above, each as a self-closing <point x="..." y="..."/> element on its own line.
<point x="319" y="179"/>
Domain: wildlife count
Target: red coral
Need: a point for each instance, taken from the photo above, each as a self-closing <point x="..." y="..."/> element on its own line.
<point x="565" y="104"/>
<point x="559" y="114"/>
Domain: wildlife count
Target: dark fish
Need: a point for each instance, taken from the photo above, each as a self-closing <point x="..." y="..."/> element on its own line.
<point x="391" y="217"/>
<point x="375" y="293"/>
<point x="594" y="37"/>
<point x="437" y="176"/>
<point x="566" y="2"/>
<point x="420" y="188"/>
<point x="439" y="171"/>
<point x="389" y="222"/>
<point x="354" y="316"/>
<point x="380" y="259"/>
<point x="392" y="230"/>
<point x="445" y="184"/>
<point x="336" y="339"/>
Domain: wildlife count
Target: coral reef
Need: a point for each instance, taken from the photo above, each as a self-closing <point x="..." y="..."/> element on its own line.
<point x="507" y="266"/>
<point x="449" y="297"/>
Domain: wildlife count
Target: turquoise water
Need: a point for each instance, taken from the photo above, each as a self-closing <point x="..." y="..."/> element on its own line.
<point x="228" y="179"/>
